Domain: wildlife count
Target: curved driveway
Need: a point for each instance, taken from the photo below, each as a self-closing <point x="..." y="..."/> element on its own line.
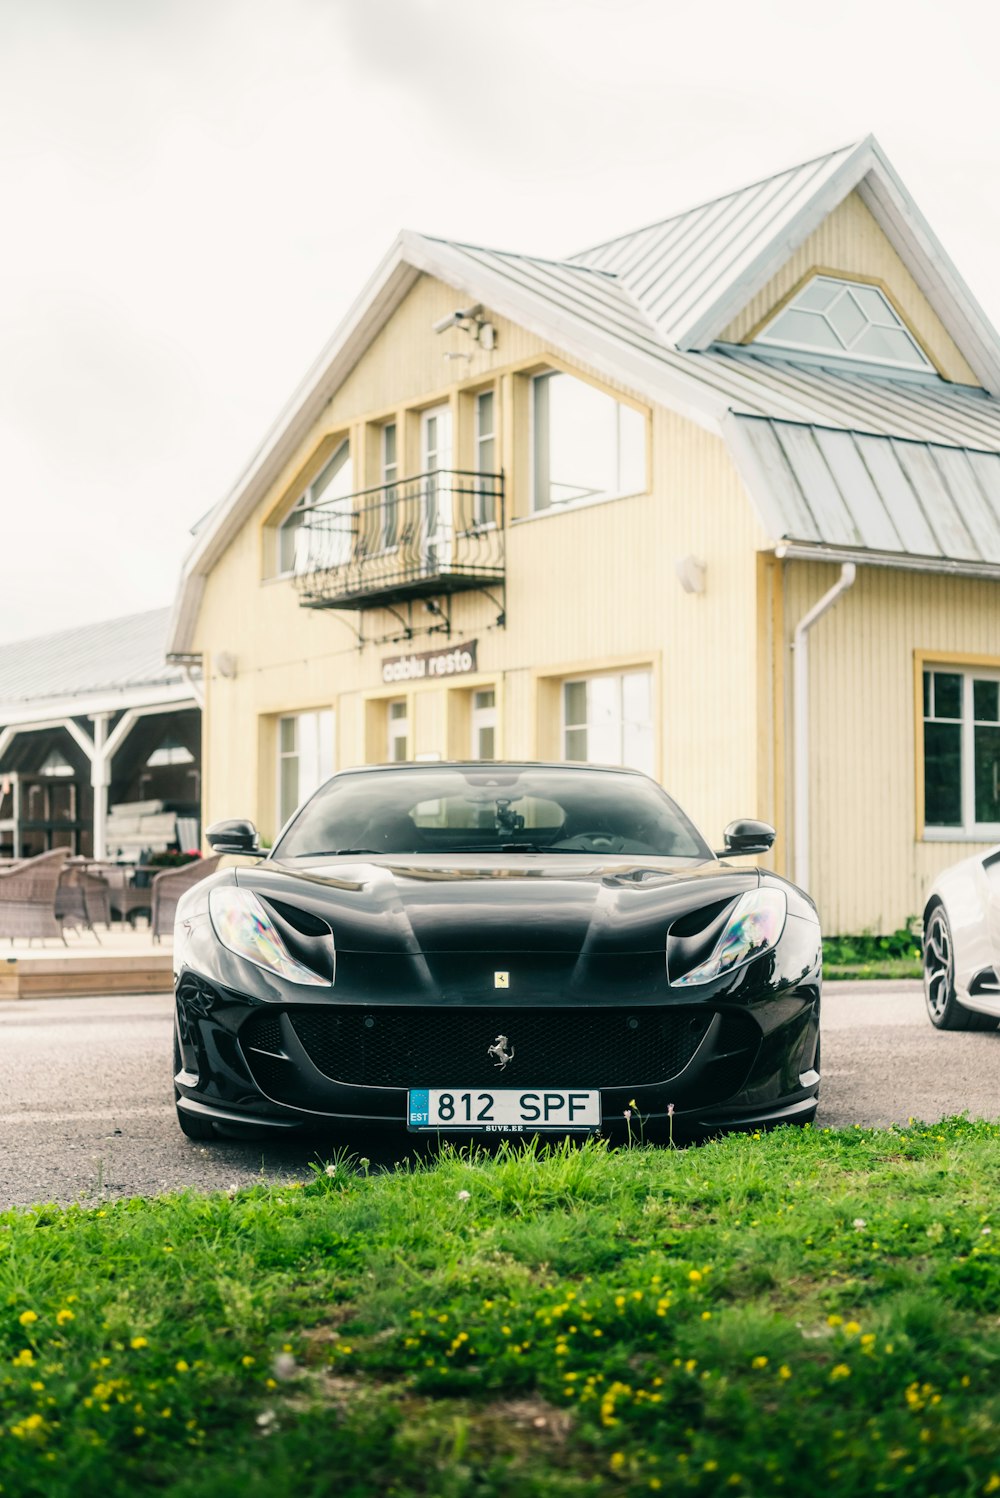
<point x="86" y="1110"/>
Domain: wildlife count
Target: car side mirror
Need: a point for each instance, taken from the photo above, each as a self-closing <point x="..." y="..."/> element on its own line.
<point x="236" y="836"/>
<point x="748" y="836"/>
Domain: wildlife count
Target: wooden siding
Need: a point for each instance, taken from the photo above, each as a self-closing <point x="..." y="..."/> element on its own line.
<point x="589" y="589"/>
<point x="847" y="243"/>
<point x="870" y="869"/>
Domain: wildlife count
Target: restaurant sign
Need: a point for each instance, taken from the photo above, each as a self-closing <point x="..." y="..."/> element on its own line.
<point x="454" y="660"/>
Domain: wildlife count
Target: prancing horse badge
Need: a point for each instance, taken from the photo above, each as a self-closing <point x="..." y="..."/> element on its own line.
<point x="501" y="980"/>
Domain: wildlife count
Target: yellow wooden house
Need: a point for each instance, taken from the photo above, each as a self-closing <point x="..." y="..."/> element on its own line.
<point x="719" y="499"/>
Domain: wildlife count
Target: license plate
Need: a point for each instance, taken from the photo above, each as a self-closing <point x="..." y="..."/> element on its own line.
<point x="503" y="1110"/>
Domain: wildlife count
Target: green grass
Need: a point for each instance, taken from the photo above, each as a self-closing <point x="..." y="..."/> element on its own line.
<point x="897" y="955"/>
<point x="802" y="1311"/>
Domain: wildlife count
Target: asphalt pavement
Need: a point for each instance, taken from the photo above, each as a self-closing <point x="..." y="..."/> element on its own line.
<point x="86" y="1106"/>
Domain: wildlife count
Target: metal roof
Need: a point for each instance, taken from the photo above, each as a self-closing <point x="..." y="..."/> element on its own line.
<point x="114" y="656"/>
<point x="857" y="492"/>
<point x="643" y="310"/>
<point x="677" y="268"/>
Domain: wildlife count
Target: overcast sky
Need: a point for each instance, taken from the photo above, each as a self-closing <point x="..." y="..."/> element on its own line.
<point x="194" y="191"/>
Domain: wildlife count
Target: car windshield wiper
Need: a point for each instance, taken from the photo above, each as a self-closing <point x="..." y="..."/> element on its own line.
<point x="333" y="852"/>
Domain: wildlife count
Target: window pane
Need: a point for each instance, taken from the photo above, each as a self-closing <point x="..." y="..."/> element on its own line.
<point x="889" y="343"/>
<point x="927" y="694"/>
<point x="484" y="413"/>
<point x="486" y="747"/>
<point x="947" y="695"/>
<point x="817" y="295"/>
<point x="984" y="697"/>
<point x="575" y="699"/>
<point x="389" y="449"/>
<point x="576" y="441"/>
<point x="987" y="772"/>
<point x="576" y="743"/>
<point x="875" y="306"/>
<point x="943" y="774"/>
<point x="286" y="541"/>
<point x="289" y="735"/>
<point x="289" y="783"/>
<point x="803" y="327"/>
<point x="483" y="699"/>
<point x="847" y="318"/>
<point x="397" y="709"/>
<point x="632" y="458"/>
<point x="335" y="480"/>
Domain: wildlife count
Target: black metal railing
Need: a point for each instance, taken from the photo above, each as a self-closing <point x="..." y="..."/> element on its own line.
<point x="440" y="532"/>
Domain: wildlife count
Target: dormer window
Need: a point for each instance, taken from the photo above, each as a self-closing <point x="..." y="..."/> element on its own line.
<point x="847" y="320"/>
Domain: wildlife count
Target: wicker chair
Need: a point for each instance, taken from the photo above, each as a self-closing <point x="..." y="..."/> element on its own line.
<point x="28" y="897"/>
<point x="170" y="885"/>
<point x="83" y="898"/>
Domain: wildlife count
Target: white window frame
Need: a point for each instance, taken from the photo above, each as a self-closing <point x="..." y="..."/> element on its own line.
<point x="970" y="830"/>
<point x="485" y="497"/>
<point x="304" y="500"/>
<point x="480" y="718"/>
<point x="392" y="733"/>
<point x="313" y="720"/>
<point x="555" y="507"/>
<point x="921" y="365"/>
<point x="390" y="476"/>
<point x="618" y="677"/>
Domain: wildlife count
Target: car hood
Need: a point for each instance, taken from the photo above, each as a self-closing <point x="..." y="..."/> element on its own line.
<point x="513" y="903"/>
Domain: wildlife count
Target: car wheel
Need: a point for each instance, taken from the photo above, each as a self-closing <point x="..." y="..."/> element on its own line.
<point x="191" y="1125"/>
<point x="943" y="1009"/>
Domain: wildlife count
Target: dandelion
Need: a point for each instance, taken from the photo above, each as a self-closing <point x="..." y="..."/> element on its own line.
<point x="63" y="1316"/>
<point x="695" y="1276"/>
<point x="28" y="1318"/>
<point x="784" y="1372"/>
<point x="759" y="1362"/>
<point x="182" y="1366"/>
<point x="840" y="1370"/>
<point x="617" y="1462"/>
<point x="138" y="1343"/>
<point x="852" y="1328"/>
<point x="248" y="1361"/>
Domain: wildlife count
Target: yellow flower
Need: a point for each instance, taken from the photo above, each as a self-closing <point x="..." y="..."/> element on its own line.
<point x="852" y="1328"/>
<point x="617" y="1462"/>
<point x="694" y="1275"/>
<point x="139" y="1430"/>
<point x="992" y="1485"/>
<point x="835" y="1321"/>
<point x="840" y="1370"/>
<point x="182" y="1366"/>
<point x="26" y="1318"/>
<point x="138" y="1343"/>
<point x="24" y="1359"/>
<point x="784" y="1371"/>
<point x="64" y="1315"/>
<point x="248" y="1361"/>
<point x="706" y="1315"/>
<point x="759" y="1362"/>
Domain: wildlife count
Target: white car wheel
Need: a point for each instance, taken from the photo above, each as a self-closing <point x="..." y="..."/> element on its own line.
<point x="943" y="1008"/>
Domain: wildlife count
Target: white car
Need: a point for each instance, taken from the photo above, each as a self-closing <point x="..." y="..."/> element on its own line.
<point x="961" y="945"/>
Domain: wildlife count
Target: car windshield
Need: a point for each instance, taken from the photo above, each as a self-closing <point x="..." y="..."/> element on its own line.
<point x="446" y="809"/>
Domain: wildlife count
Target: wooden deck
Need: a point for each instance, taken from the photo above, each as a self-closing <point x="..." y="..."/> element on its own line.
<point x="125" y="962"/>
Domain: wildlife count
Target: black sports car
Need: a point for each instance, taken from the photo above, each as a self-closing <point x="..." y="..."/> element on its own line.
<point x="492" y="947"/>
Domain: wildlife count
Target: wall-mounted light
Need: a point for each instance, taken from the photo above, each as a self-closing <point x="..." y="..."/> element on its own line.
<point x="691" y="573"/>
<point x="473" y="322"/>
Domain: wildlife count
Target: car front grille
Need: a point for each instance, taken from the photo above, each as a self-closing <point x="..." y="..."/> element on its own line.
<point x="403" y="1046"/>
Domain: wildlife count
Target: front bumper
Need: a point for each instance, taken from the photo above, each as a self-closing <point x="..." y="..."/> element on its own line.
<point x="252" y="1055"/>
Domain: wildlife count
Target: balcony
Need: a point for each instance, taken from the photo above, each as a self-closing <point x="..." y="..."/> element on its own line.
<point x="442" y="532"/>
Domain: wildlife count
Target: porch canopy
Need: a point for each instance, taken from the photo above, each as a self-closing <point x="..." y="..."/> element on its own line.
<point x="95" y="715"/>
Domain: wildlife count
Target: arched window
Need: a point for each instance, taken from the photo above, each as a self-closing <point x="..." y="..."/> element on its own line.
<point x="848" y="320"/>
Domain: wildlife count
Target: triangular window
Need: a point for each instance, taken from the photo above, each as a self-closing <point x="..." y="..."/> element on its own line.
<point x="847" y="320"/>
